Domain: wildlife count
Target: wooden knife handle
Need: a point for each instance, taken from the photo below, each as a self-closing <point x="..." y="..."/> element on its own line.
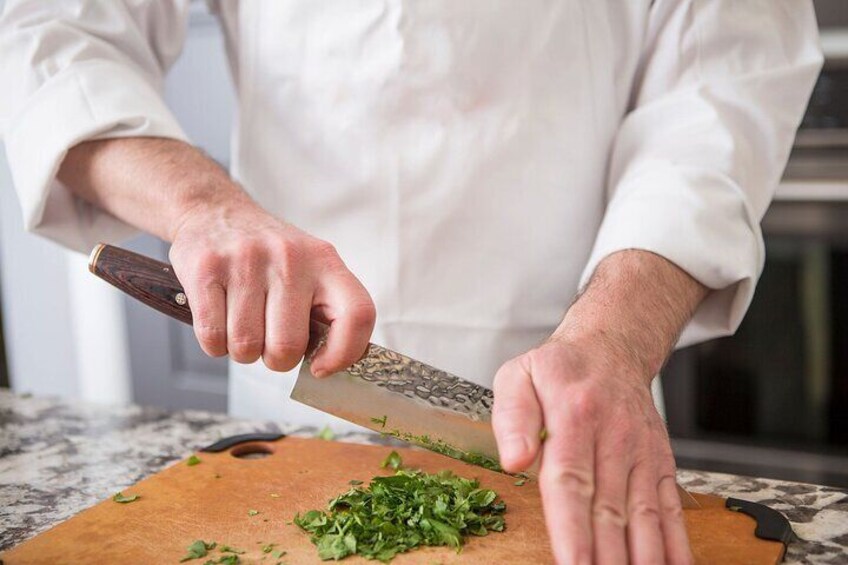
<point x="143" y="278"/>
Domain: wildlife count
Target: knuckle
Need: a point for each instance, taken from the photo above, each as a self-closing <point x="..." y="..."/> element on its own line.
<point x="289" y="252"/>
<point x="606" y="512"/>
<point x="210" y="263"/>
<point x="245" y="349"/>
<point x="646" y="511"/>
<point x="363" y="314"/>
<point x="282" y="355"/>
<point x="325" y="249"/>
<point x="584" y="405"/>
<point x="212" y="339"/>
<point x="571" y="479"/>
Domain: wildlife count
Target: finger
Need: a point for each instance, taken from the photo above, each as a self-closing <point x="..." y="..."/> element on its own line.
<point x="245" y="321"/>
<point x="286" y="325"/>
<point x="677" y="549"/>
<point x="516" y="416"/>
<point x="644" y="533"/>
<point x="567" y="484"/>
<point x="207" y="299"/>
<point x="609" y="508"/>
<point x="346" y="304"/>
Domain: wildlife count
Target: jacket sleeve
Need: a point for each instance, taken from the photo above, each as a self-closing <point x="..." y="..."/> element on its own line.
<point x="717" y="98"/>
<point x="78" y="70"/>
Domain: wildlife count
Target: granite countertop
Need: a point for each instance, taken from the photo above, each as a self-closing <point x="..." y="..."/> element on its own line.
<point x="58" y="458"/>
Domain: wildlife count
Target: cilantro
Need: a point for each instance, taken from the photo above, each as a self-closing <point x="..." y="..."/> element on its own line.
<point x="224" y="560"/>
<point x="278" y="554"/>
<point x="543" y="435"/>
<point x="326" y="434"/>
<point x="403" y="511"/>
<point x="193" y="460"/>
<point x="520" y="482"/>
<point x="381" y="421"/>
<point x="119" y="497"/>
<point x="252" y="512"/>
<point x="392" y="460"/>
<point x="229" y="549"/>
<point x="354" y="482"/>
<point x="198" y="549"/>
<point x="268" y="548"/>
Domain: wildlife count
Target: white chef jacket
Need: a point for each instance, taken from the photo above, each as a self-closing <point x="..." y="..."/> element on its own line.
<point x="472" y="161"/>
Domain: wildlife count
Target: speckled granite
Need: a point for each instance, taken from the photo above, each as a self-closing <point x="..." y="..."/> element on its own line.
<point x="57" y="459"/>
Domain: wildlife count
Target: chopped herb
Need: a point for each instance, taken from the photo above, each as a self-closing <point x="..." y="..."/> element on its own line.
<point x="268" y="548"/>
<point x="224" y="560"/>
<point x="229" y="549"/>
<point x="217" y="476"/>
<point x="198" y="549"/>
<point x="735" y="508"/>
<point x="252" y="512"/>
<point x="354" y="482"/>
<point x="400" y="512"/>
<point x="520" y="482"/>
<point x="381" y="421"/>
<point x="392" y="460"/>
<point x="275" y="495"/>
<point x="543" y="434"/>
<point x="326" y="434"/>
<point x="119" y="497"/>
<point x="193" y="460"/>
<point x="278" y="554"/>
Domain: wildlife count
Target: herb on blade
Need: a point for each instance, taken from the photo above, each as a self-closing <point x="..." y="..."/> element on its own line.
<point x="381" y="421"/>
<point x="326" y="434"/>
<point x="122" y="499"/>
<point x="193" y="460"/>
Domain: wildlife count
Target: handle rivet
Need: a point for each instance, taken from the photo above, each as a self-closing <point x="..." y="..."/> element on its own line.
<point x="180" y="299"/>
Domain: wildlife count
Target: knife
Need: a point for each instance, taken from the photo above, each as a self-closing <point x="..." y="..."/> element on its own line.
<point x="384" y="391"/>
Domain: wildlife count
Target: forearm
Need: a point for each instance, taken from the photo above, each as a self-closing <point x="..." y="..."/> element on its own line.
<point x="150" y="183"/>
<point x="637" y="303"/>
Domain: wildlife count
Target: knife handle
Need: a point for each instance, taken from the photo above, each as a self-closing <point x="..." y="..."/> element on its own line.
<point x="152" y="282"/>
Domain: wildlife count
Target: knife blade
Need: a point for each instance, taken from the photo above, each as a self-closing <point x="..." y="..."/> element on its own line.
<point x="384" y="391"/>
<point x="396" y="395"/>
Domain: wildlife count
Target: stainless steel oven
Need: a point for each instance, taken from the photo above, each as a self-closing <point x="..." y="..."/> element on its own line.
<point x="772" y="400"/>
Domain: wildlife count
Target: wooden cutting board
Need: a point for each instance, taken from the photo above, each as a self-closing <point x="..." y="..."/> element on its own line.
<point x="211" y="501"/>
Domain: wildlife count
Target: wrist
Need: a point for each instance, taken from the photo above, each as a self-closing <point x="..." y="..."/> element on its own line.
<point x="206" y="200"/>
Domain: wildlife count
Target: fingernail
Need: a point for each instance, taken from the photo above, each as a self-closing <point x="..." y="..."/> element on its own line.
<point x="318" y="373"/>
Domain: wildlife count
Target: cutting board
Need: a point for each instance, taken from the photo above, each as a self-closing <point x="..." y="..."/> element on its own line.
<point x="279" y="476"/>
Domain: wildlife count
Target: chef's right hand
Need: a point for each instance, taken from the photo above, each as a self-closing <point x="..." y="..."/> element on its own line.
<point x="253" y="282"/>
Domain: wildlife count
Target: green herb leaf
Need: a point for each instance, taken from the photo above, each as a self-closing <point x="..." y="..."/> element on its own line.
<point x="354" y="482"/>
<point x="392" y="460"/>
<point x="122" y="499"/>
<point x="278" y="554"/>
<point x="252" y="512"/>
<point x="520" y="482"/>
<point x="198" y="549"/>
<point x="229" y="549"/>
<point x="193" y="460"/>
<point x="381" y="421"/>
<point x="326" y="434"/>
<point x="403" y="511"/>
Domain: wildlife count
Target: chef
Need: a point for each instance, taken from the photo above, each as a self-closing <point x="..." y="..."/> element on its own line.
<point x="544" y="197"/>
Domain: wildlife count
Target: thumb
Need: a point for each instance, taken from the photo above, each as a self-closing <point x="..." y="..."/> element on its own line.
<point x="516" y="415"/>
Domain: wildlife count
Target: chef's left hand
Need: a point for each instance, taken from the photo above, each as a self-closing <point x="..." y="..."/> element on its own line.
<point x="607" y="473"/>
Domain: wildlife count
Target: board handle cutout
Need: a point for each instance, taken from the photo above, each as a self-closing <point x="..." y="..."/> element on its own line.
<point x="771" y="524"/>
<point x="232" y="441"/>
